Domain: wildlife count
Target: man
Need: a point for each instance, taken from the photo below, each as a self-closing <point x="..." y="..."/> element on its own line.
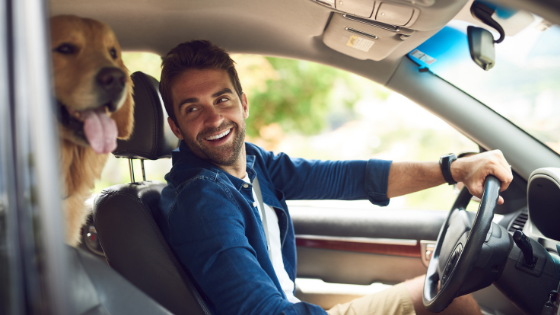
<point x="241" y="252"/>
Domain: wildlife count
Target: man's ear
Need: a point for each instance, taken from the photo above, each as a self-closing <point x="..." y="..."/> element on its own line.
<point x="174" y="128"/>
<point x="245" y="105"/>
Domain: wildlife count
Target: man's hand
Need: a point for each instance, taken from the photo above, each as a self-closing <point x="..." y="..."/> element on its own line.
<point x="409" y="177"/>
<point x="472" y="171"/>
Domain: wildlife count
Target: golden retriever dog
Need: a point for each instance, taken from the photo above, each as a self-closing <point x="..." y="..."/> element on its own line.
<point x="94" y="94"/>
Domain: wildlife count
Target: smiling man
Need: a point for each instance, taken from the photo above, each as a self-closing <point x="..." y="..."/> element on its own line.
<point x="215" y="133"/>
<point x="239" y="247"/>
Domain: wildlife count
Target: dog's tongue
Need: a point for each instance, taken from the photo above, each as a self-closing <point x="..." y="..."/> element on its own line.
<point x="100" y="130"/>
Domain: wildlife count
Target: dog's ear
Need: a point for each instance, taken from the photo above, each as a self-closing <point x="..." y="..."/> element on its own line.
<point x="124" y="117"/>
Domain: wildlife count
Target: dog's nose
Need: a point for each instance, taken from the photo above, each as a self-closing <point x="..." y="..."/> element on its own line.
<point x="112" y="80"/>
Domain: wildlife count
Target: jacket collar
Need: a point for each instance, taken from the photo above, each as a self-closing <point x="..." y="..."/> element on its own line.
<point x="184" y="159"/>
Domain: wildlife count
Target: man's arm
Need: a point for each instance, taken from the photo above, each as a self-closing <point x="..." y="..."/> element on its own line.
<point x="315" y="179"/>
<point x="409" y="177"/>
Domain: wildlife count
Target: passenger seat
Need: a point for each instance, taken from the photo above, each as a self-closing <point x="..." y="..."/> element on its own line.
<point x="96" y="289"/>
<point x="125" y="215"/>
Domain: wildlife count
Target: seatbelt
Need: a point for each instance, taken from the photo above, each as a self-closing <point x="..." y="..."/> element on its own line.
<point x="257" y="188"/>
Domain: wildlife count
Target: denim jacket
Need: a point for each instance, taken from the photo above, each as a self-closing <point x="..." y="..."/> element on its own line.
<point x="212" y="226"/>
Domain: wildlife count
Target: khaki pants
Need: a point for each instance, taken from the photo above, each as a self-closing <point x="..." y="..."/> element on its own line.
<point x="393" y="301"/>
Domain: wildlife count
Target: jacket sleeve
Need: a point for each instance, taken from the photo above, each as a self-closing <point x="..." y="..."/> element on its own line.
<point x="315" y="179"/>
<point x="207" y="233"/>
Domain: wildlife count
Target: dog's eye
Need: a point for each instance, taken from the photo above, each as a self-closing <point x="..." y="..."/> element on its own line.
<point x="113" y="53"/>
<point x="66" y="49"/>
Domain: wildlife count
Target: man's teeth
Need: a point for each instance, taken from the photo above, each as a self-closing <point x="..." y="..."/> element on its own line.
<point x="221" y="135"/>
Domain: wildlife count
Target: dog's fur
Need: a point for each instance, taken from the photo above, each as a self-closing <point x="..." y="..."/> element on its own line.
<point x="93" y="46"/>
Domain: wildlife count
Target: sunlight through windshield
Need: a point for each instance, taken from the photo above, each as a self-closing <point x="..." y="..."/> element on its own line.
<point x="523" y="86"/>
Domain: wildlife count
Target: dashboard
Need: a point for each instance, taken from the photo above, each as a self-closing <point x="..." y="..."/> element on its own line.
<point x="543" y="196"/>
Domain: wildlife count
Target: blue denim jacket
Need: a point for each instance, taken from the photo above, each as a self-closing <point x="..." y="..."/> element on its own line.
<point x="212" y="226"/>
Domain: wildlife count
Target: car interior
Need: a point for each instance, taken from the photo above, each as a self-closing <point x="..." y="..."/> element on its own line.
<point x="125" y="266"/>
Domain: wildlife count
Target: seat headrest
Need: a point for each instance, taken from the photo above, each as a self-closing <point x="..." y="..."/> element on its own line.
<point x="151" y="137"/>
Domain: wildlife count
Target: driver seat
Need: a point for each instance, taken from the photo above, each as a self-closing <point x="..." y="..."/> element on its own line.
<point x="125" y="215"/>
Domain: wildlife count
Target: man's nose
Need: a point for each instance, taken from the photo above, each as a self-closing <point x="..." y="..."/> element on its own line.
<point x="213" y="117"/>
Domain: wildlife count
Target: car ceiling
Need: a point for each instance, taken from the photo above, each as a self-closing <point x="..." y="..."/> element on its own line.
<point x="288" y="28"/>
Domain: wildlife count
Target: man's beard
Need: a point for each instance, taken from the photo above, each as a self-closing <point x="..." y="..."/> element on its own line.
<point x="219" y="155"/>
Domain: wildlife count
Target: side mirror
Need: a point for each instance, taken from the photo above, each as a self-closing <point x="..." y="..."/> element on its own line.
<point x="481" y="46"/>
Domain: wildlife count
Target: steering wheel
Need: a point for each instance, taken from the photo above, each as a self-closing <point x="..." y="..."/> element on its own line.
<point x="458" y="246"/>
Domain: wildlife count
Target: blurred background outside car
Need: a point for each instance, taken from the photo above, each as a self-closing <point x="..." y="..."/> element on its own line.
<point x="314" y="111"/>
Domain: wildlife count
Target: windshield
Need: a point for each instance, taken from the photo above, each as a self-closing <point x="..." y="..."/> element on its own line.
<point x="523" y="86"/>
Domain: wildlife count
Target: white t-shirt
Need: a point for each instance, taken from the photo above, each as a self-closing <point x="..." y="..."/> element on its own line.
<point x="276" y="248"/>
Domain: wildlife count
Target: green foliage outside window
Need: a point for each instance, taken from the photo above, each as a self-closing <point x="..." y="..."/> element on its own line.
<point x="300" y="98"/>
<point x="314" y="111"/>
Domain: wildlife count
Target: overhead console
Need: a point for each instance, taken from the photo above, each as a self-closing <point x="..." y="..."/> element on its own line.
<point x="385" y="12"/>
<point x="372" y="29"/>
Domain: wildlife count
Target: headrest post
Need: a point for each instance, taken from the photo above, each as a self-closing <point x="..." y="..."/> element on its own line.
<point x="143" y="172"/>
<point x="131" y="169"/>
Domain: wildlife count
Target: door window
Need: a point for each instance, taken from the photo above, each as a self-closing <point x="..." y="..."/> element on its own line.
<point x="314" y="111"/>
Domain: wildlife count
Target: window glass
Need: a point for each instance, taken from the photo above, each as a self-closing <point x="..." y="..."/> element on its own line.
<point x="116" y="171"/>
<point x="9" y="260"/>
<point x="5" y="288"/>
<point x="314" y="111"/>
<point x="524" y="84"/>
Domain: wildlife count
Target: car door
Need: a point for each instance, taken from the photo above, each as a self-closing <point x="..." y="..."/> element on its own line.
<point x="361" y="247"/>
<point x="347" y="253"/>
<point x="32" y="258"/>
<point x="344" y="253"/>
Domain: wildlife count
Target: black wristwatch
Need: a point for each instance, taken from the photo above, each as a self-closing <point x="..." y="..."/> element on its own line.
<point x="445" y="165"/>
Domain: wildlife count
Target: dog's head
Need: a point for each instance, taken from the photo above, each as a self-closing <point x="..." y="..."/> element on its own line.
<point x="92" y="86"/>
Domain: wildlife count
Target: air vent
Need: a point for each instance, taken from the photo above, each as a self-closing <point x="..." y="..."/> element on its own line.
<point x="519" y="222"/>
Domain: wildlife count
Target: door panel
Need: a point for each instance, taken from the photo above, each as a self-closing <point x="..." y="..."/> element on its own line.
<point x="372" y="223"/>
<point x="360" y="247"/>
<point x="356" y="268"/>
<point x="406" y="248"/>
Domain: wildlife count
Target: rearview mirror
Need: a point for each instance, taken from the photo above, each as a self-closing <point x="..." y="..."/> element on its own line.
<point x="481" y="46"/>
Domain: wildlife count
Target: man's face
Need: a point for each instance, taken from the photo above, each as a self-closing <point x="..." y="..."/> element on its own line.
<point x="210" y="115"/>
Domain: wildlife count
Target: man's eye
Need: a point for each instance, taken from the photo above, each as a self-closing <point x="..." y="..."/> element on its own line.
<point x="223" y="99"/>
<point x="192" y="109"/>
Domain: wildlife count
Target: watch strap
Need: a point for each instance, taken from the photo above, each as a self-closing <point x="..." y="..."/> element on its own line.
<point x="445" y="165"/>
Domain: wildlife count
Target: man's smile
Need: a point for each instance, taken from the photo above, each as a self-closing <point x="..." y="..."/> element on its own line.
<point x="217" y="139"/>
<point x="219" y="136"/>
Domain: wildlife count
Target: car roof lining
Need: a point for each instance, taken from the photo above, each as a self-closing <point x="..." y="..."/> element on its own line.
<point x="290" y="29"/>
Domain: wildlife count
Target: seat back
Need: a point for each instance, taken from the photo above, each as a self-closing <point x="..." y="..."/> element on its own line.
<point x="125" y="215"/>
<point x="96" y="289"/>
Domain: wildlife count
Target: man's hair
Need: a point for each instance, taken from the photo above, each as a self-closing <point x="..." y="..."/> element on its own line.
<point x="199" y="55"/>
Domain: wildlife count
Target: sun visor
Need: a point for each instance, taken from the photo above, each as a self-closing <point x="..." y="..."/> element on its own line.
<point x="362" y="38"/>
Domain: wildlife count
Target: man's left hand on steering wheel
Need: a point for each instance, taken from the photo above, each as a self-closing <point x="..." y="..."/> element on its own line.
<point x="473" y="170"/>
